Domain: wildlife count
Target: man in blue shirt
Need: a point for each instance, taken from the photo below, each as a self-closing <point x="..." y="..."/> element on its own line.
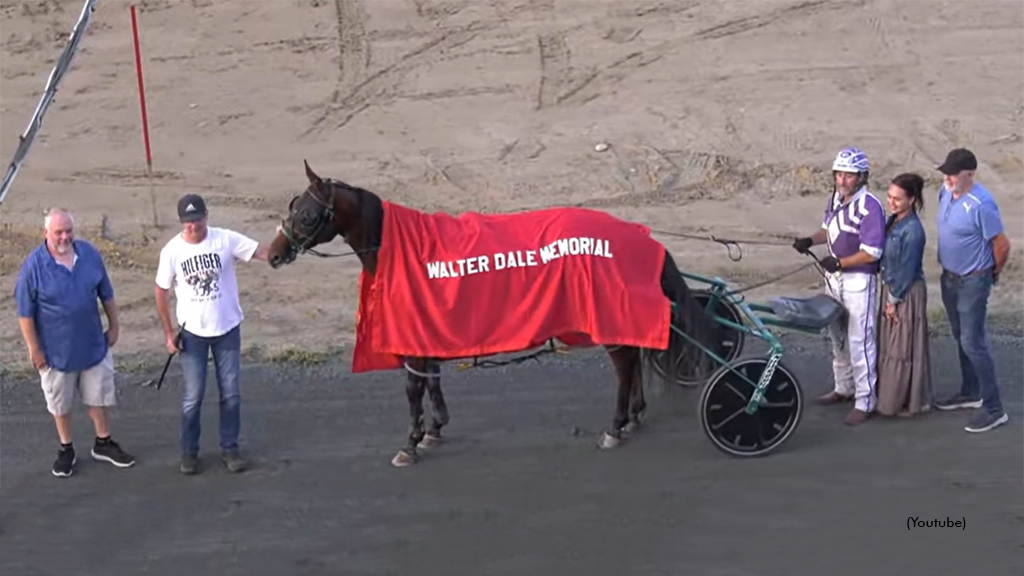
<point x="56" y="293"/>
<point x="972" y="250"/>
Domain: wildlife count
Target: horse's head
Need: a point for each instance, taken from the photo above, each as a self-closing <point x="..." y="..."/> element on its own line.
<point x="314" y="217"/>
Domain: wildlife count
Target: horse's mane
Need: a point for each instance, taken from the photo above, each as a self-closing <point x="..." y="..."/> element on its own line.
<point x="371" y="211"/>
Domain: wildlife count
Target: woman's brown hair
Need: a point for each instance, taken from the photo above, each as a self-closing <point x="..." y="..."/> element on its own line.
<point x="913" y="185"/>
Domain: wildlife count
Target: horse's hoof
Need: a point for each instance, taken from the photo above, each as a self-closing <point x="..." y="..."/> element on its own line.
<point x="403" y="459"/>
<point x="632" y="426"/>
<point x="429" y="441"/>
<point x="608" y="441"/>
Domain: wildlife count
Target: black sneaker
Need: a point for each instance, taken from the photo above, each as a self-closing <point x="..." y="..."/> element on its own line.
<point x="189" y="464"/>
<point x="65" y="463"/>
<point x="109" y="451"/>
<point x="233" y="461"/>
<point x="985" y="421"/>
<point x="958" y="401"/>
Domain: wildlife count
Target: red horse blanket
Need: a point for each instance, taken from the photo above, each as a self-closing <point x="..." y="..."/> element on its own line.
<point x="476" y="285"/>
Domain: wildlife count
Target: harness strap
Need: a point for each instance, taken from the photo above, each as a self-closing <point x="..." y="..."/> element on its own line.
<point x="433" y="366"/>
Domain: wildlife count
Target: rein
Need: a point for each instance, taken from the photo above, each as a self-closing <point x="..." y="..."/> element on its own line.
<point x="326" y="215"/>
<point x="730" y="243"/>
<point x="802" y="267"/>
<point x="727" y="242"/>
<point x="314" y="252"/>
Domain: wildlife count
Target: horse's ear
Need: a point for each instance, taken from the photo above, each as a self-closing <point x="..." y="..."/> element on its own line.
<point x="313" y="178"/>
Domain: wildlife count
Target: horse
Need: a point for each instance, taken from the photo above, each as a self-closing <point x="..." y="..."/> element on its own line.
<point x="329" y="208"/>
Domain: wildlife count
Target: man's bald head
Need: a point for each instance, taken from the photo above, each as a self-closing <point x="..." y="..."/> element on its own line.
<point x="59" y="229"/>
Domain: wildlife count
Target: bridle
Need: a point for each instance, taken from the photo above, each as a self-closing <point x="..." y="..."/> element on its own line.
<point x="324" y="216"/>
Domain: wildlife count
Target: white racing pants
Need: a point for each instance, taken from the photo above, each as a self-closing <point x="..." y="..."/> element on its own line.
<point x="854" y="351"/>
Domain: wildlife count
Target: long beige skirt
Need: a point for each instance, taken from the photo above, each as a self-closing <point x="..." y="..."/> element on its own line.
<point x="904" y="358"/>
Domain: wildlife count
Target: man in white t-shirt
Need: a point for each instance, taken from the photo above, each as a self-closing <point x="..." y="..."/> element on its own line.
<point x="199" y="264"/>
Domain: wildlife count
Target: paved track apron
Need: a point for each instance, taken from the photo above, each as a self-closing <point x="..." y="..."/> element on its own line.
<point x="518" y="489"/>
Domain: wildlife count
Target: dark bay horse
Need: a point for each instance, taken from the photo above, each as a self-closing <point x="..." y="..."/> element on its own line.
<point x="330" y="208"/>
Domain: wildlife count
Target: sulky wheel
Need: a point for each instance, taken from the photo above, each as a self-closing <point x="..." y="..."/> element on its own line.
<point x="723" y="404"/>
<point x="665" y="362"/>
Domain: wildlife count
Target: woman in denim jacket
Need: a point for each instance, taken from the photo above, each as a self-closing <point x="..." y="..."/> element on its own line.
<point x="904" y="375"/>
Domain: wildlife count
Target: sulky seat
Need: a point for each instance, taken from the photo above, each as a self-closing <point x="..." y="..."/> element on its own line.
<point x="816" y="312"/>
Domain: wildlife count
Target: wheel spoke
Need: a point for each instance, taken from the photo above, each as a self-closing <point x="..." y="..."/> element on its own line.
<point x="759" y="440"/>
<point x="727" y="420"/>
<point x="735" y="391"/>
<point x="789" y="404"/>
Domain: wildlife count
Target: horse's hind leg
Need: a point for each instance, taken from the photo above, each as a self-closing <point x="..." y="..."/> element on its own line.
<point x="637" y="404"/>
<point x="438" y="408"/>
<point x="624" y="358"/>
<point x="414" y="388"/>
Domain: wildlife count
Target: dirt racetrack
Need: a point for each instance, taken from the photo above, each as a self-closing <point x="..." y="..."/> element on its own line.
<point x="722" y="118"/>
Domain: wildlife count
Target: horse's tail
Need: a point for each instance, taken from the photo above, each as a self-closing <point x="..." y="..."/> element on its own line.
<point x="691" y="318"/>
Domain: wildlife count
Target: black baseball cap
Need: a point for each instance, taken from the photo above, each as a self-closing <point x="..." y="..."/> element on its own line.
<point x="191" y="208"/>
<point x="957" y="160"/>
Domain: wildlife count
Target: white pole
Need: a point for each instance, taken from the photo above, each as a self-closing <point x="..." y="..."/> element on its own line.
<point x="63" y="63"/>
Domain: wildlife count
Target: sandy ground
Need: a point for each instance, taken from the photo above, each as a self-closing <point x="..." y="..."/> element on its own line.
<point x="514" y="491"/>
<point x="722" y="117"/>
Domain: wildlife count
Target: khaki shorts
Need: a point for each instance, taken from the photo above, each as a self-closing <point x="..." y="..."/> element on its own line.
<point x="94" y="385"/>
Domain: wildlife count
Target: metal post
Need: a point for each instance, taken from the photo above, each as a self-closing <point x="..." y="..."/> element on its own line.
<point x="63" y="63"/>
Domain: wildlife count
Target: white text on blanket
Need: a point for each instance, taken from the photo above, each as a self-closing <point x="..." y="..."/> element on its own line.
<point x="518" y="258"/>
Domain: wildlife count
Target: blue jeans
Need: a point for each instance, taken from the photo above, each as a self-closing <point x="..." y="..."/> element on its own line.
<point x="227" y="352"/>
<point x="966" y="302"/>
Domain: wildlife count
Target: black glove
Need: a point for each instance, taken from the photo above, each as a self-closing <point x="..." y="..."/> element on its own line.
<point x="802" y="245"/>
<point x="830" y="264"/>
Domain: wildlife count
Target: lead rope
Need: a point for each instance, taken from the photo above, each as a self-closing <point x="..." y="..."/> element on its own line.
<point x="352" y="253"/>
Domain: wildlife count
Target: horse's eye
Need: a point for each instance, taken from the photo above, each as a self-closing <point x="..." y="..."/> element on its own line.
<point x="307" y="218"/>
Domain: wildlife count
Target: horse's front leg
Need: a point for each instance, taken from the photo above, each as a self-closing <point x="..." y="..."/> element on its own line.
<point x="414" y="388"/>
<point x="623" y="361"/>
<point x="438" y="408"/>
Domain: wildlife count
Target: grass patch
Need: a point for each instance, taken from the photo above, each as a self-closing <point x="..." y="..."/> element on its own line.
<point x="291" y="355"/>
<point x="19" y="373"/>
<point x="137" y="366"/>
<point x="301" y="357"/>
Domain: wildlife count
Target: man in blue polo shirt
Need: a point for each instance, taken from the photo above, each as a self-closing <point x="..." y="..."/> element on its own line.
<point x="56" y="294"/>
<point x="972" y="250"/>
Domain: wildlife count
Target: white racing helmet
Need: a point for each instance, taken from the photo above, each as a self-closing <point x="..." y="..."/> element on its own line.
<point x="851" y="159"/>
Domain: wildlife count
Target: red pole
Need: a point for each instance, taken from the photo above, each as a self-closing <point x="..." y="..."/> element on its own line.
<point x="142" y="91"/>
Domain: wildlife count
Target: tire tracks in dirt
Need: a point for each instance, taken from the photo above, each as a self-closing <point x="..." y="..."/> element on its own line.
<point x="555" y="68"/>
<point x="353" y="46"/>
<point x="438" y="10"/>
<point x="561" y="84"/>
<point x="592" y="84"/>
<point x="359" y="88"/>
<point x="673" y="176"/>
<point x="748" y="23"/>
<point x="114" y="176"/>
<point x="354" y="60"/>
